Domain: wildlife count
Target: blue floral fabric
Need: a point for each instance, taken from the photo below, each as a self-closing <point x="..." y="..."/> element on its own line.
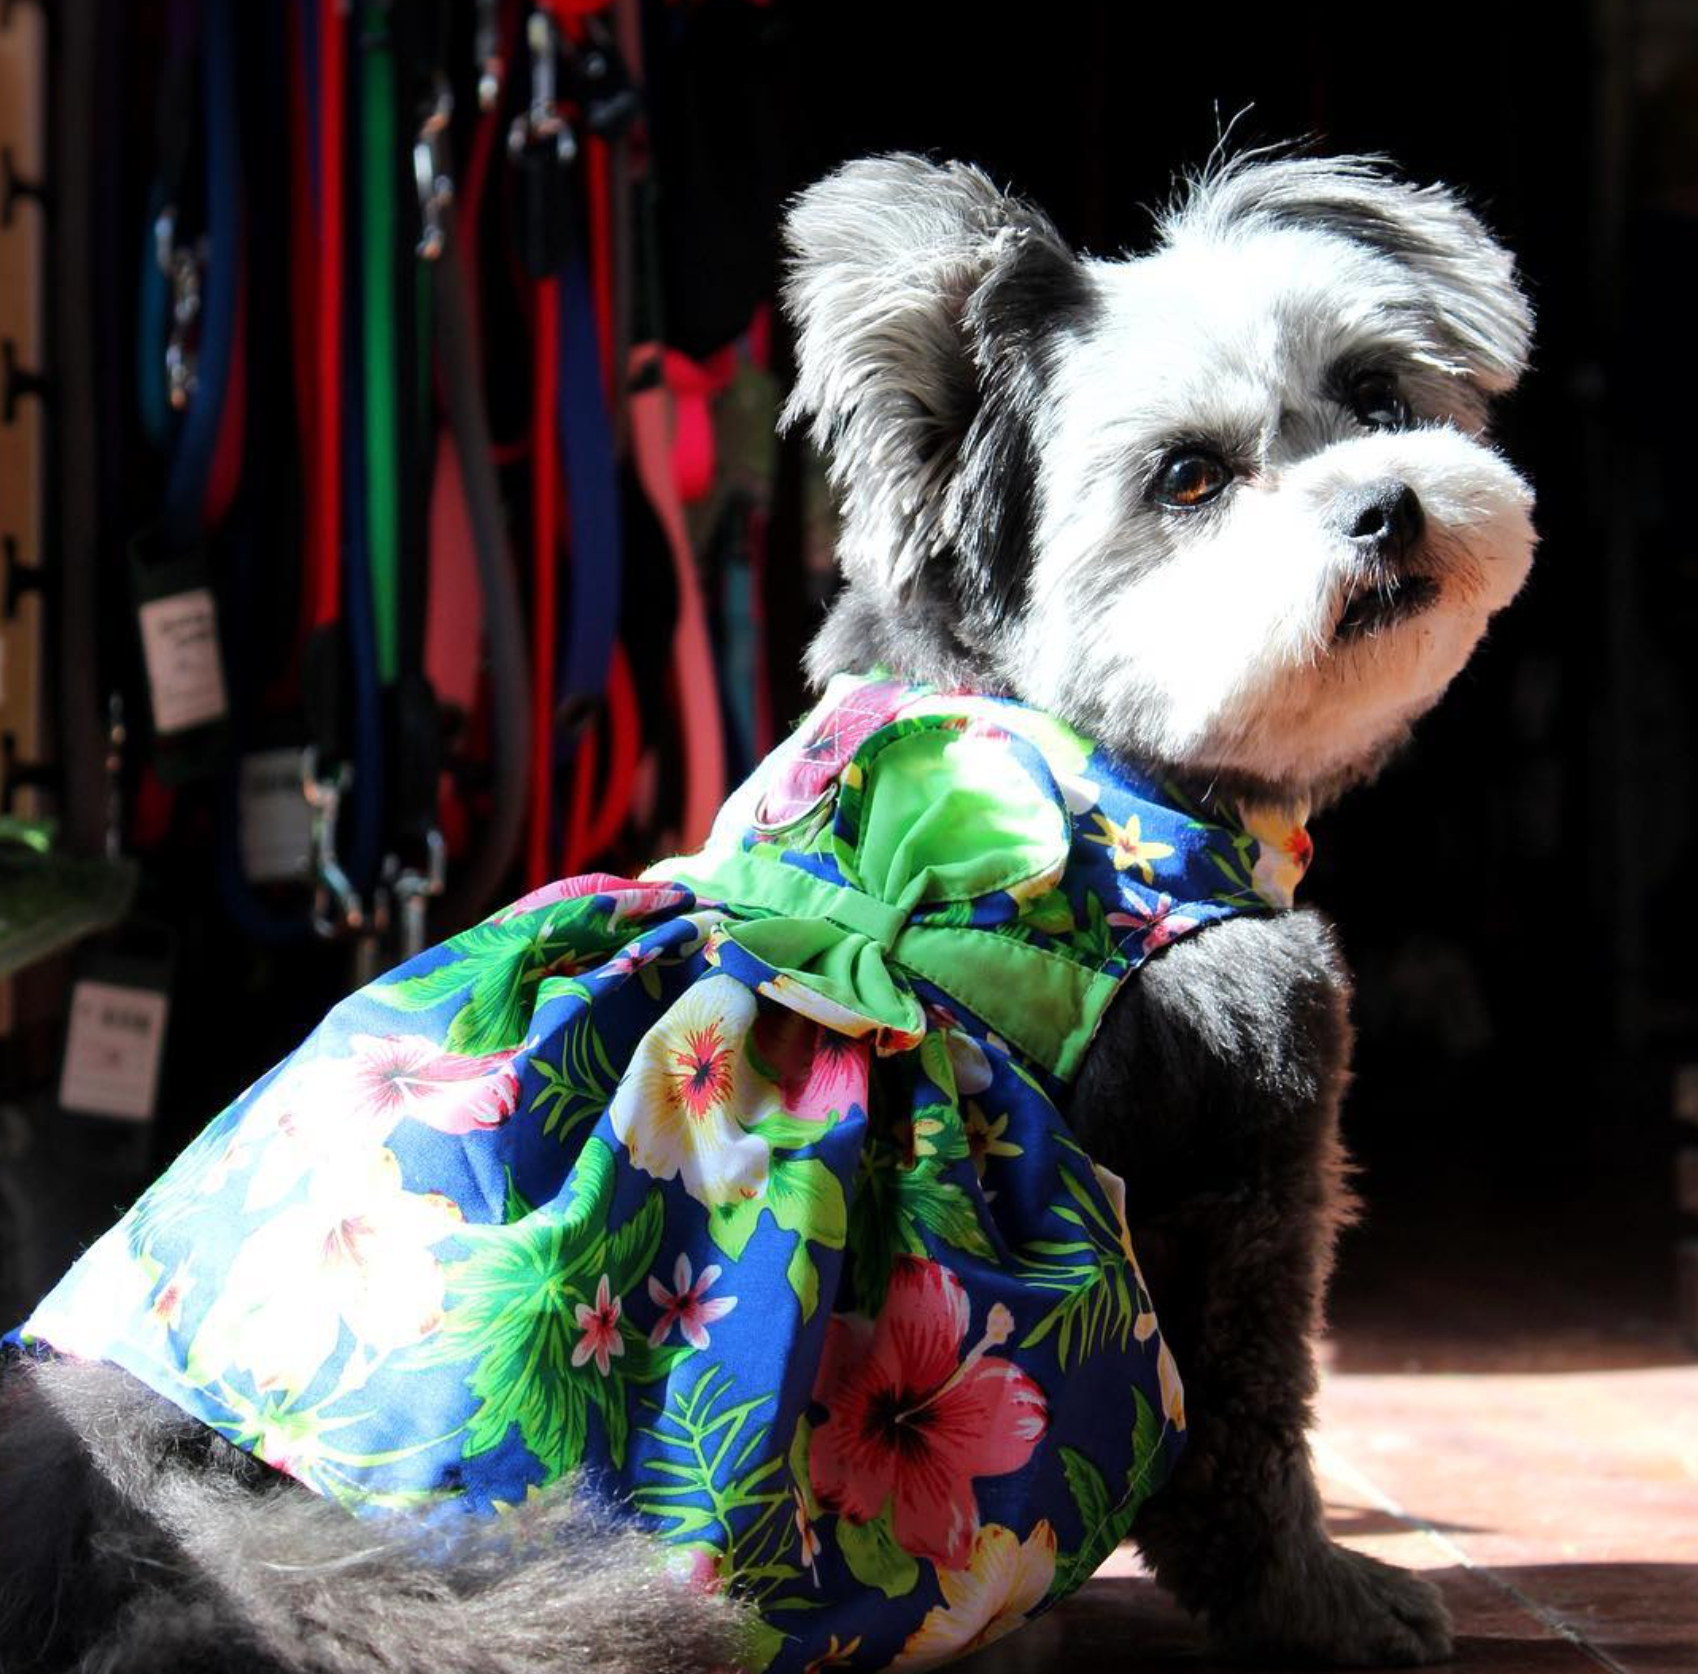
<point x="743" y="1190"/>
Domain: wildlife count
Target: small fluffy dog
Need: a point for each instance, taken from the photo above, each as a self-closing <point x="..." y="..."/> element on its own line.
<point x="1227" y="507"/>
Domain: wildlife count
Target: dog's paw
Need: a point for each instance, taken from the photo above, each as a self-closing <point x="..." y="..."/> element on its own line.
<point x="1336" y="1608"/>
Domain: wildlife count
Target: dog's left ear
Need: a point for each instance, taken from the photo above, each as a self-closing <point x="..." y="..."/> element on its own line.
<point x="1482" y="316"/>
<point x="923" y="298"/>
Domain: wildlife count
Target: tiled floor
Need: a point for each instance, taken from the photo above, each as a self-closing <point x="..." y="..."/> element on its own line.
<point x="1513" y="1414"/>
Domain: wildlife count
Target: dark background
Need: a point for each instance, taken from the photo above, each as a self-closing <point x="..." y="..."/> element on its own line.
<point x="1517" y="894"/>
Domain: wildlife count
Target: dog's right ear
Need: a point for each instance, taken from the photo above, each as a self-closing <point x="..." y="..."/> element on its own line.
<point x="919" y="291"/>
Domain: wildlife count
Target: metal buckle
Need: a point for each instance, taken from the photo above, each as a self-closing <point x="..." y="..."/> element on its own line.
<point x="415" y="890"/>
<point x="430" y="173"/>
<point x="181" y="264"/>
<point x="336" y="908"/>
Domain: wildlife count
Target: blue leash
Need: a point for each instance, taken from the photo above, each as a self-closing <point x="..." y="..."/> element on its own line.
<point x="191" y="459"/>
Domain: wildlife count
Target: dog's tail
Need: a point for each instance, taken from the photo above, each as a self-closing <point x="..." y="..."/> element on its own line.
<point x="133" y="1539"/>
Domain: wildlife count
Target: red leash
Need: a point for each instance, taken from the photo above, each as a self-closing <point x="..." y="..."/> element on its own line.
<point x="324" y="485"/>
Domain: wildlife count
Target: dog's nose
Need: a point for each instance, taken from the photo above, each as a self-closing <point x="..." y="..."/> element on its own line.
<point x="1382" y="519"/>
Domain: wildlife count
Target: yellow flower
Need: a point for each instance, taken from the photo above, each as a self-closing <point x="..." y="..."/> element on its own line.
<point x="1172" y="1391"/>
<point x="984" y="1137"/>
<point x="925" y="1130"/>
<point x="1126" y="844"/>
<point x="834" y="1656"/>
<point x="1003" y="1582"/>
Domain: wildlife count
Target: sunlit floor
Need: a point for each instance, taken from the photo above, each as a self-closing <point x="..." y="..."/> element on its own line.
<point x="1507" y="1408"/>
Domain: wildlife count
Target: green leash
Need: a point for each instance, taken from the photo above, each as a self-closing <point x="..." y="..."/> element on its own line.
<point x="377" y="282"/>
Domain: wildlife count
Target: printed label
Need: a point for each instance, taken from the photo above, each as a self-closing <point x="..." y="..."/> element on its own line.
<point x="276" y="819"/>
<point x="113" y="1049"/>
<point x="184" y="675"/>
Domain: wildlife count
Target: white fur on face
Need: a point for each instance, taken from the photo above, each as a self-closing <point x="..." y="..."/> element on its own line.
<point x="1206" y="637"/>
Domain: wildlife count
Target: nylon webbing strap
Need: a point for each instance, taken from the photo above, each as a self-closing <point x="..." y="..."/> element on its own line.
<point x="378" y="143"/>
<point x="545" y="514"/>
<point x="592" y="480"/>
<point x="509" y="666"/>
<point x="695" y="685"/>
<point x="197" y="446"/>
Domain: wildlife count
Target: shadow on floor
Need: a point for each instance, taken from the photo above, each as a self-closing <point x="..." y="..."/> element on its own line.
<point x="1537" y="1619"/>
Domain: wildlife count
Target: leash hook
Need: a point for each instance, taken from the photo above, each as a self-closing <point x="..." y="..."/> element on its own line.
<point x="336" y="909"/>
<point x="181" y="264"/>
<point x="430" y="173"/>
<point x="486" y="54"/>
<point x="416" y="889"/>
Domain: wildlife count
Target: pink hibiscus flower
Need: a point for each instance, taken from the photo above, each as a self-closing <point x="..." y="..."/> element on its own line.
<point x="391" y="1076"/>
<point x="600" y="1327"/>
<point x="819" y="1071"/>
<point x="912" y="1421"/>
<point x="1159" y="923"/>
<point x="684" y="1305"/>
<point x="632" y="897"/>
<point x="837" y="732"/>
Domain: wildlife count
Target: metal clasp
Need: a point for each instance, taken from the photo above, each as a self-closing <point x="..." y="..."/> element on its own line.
<point x="486" y="54"/>
<point x="430" y="173"/>
<point x="542" y="119"/>
<point x="416" y="889"/>
<point x="181" y="264"/>
<point x="336" y="909"/>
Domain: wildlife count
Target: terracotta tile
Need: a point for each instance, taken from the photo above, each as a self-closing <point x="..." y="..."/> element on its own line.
<point x="1578" y="1468"/>
<point x="1559" y="1513"/>
<point x="1126" y="1625"/>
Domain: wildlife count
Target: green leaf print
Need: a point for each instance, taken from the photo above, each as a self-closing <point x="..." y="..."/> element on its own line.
<point x="804" y="1197"/>
<point x="498" y="967"/>
<point x="1106" y="1525"/>
<point x="516" y="1307"/>
<point x="721" y="1483"/>
<point x="1085" y="1483"/>
<point x="1094" y="940"/>
<point x="1101" y="1296"/>
<point x="784" y="1132"/>
<point x="874" y="1558"/>
<point x="583" y="1086"/>
<point x="894" y="1206"/>
<point x="1050" y="912"/>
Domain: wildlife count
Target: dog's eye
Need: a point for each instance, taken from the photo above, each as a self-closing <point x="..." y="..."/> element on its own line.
<point x="1375" y="401"/>
<point x="1190" y="479"/>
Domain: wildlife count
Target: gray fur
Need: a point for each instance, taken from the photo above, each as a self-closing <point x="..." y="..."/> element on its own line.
<point x="1214" y="1088"/>
<point x="913" y="352"/>
<point x="996" y="410"/>
<point x="136" y="1540"/>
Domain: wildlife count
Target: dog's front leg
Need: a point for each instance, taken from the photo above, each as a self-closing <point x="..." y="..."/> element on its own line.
<point x="1214" y="1089"/>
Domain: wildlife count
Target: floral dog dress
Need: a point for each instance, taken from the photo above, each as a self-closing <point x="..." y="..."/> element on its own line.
<point x="743" y="1191"/>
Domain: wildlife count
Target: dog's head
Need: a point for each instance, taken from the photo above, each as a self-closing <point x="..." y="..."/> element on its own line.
<point x="1227" y="506"/>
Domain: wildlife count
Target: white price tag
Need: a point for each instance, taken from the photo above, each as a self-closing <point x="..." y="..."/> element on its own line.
<point x="276" y="819"/>
<point x="113" y="1048"/>
<point x="184" y="674"/>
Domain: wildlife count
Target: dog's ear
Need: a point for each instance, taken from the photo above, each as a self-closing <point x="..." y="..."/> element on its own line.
<point x="1482" y="316"/>
<point x="921" y="296"/>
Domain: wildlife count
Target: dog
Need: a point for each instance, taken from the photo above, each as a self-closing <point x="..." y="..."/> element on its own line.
<point x="1228" y="507"/>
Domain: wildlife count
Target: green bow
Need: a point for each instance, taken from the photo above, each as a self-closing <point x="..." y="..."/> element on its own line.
<point x="926" y="815"/>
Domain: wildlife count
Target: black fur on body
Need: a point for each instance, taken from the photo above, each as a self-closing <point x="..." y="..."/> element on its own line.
<point x="940" y="352"/>
<point x="132" y="1539"/>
